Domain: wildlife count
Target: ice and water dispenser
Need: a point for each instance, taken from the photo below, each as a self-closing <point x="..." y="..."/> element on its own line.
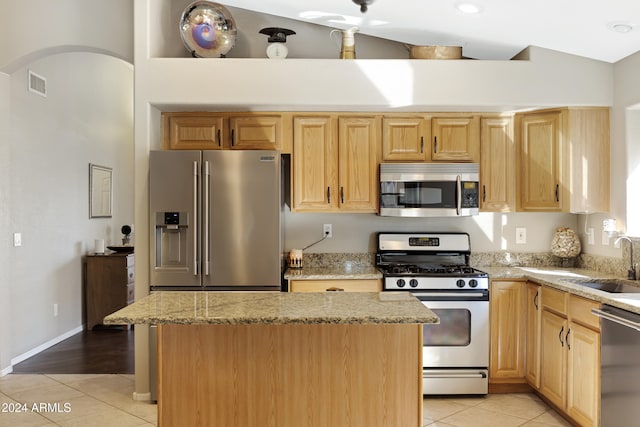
<point x="171" y="229"/>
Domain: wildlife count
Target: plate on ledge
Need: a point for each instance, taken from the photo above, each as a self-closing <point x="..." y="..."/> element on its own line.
<point x="122" y="249"/>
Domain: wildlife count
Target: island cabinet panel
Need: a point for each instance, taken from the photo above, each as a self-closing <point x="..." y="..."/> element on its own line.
<point x="290" y="375"/>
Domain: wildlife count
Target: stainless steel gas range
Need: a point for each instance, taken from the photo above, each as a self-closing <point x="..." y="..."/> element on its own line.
<point x="435" y="268"/>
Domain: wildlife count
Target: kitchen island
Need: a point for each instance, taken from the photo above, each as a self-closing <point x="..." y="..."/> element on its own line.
<point x="286" y="359"/>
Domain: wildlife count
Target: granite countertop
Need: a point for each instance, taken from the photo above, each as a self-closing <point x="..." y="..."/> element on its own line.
<point x="335" y="272"/>
<point x="565" y="279"/>
<point x="210" y="307"/>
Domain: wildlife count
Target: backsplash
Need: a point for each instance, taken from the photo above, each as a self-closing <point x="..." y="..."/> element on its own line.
<point x="603" y="264"/>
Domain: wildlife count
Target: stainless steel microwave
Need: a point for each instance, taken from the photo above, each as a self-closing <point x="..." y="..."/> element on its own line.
<point x="429" y="189"/>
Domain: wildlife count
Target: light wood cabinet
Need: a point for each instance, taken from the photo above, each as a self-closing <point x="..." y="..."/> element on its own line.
<point x="109" y="285"/>
<point x="563" y="160"/>
<point x="335" y="163"/>
<point x="455" y="139"/>
<point x="570" y="355"/>
<point x="406" y="138"/>
<point x="532" y="334"/>
<point x="347" y="285"/>
<point x="255" y="132"/>
<point x="497" y="165"/>
<point x="193" y="131"/>
<point x="507" y="331"/>
<point x="217" y="131"/>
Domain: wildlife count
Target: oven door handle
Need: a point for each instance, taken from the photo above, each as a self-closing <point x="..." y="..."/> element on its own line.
<point x="455" y="295"/>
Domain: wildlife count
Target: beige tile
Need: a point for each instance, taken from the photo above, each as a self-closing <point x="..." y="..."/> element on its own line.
<point x="15" y="417"/>
<point x="438" y="424"/>
<point x="79" y="407"/>
<point x="112" y="418"/>
<point x="477" y="417"/>
<point x="514" y="404"/>
<point x="47" y="394"/>
<point x="437" y="408"/>
<point x="550" y="418"/>
<point x="14" y="383"/>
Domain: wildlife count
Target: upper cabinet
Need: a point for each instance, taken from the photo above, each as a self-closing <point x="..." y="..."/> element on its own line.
<point x="497" y="165"/>
<point x="216" y="131"/>
<point x="431" y="138"/>
<point x="563" y="160"/>
<point x="404" y="138"/>
<point x="455" y="139"/>
<point x="335" y="163"/>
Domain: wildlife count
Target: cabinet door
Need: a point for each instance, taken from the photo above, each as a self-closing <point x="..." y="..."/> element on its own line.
<point x="255" y="132"/>
<point x="315" y="157"/>
<point x="358" y="159"/>
<point x="507" y="330"/>
<point x="455" y="139"/>
<point x="497" y="165"/>
<point x="404" y="138"/>
<point x="540" y="170"/>
<point x="552" y="357"/>
<point x="583" y="374"/>
<point x="192" y="131"/>
<point x="532" y="351"/>
<point x="349" y="285"/>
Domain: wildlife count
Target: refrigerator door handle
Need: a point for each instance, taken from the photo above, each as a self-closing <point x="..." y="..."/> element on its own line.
<point x="206" y="213"/>
<point x="195" y="218"/>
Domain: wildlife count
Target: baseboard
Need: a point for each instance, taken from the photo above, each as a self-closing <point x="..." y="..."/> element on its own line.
<point x="141" y="396"/>
<point x="6" y="371"/>
<point x="43" y="347"/>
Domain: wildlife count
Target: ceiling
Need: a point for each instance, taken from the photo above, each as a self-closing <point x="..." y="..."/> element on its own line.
<point x="501" y="28"/>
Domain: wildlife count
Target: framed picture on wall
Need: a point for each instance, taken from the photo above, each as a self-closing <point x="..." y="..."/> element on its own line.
<point x="100" y="191"/>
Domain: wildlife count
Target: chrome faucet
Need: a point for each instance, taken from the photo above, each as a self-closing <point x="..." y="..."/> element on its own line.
<point x="631" y="273"/>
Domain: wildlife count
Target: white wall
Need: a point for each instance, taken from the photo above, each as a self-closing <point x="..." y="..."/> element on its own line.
<point x="5" y="203"/>
<point x="34" y="29"/>
<point x="87" y="117"/>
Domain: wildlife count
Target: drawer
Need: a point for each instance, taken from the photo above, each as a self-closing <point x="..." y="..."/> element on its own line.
<point x="130" y="274"/>
<point x="356" y="285"/>
<point x="555" y="300"/>
<point x="130" y="293"/>
<point x="580" y="310"/>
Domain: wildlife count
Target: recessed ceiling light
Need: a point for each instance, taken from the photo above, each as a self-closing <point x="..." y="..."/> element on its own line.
<point x="470" y="8"/>
<point x="620" y="27"/>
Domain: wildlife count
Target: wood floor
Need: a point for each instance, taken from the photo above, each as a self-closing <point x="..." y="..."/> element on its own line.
<point x="103" y="350"/>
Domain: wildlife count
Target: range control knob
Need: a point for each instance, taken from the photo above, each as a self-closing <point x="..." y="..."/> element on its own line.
<point x="460" y="283"/>
<point x="473" y="283"/>
<point x="413" y="283"/>
<point x="400" y="283"/>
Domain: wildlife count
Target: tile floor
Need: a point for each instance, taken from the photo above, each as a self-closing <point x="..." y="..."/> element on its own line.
<point x="105" y="400"/>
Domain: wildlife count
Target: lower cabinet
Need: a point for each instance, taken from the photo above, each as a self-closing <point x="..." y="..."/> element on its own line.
<point x="507" y="332"/>
<point x="570" y="355"/>
<point x="550" y="340"/>
<point x="347" y="285"/>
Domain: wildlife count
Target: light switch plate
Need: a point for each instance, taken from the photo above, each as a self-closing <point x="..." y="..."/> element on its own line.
<point x="17" y="239"/>
<point x="521" y="235"/>
<point x="605" y="238"/>
<point x="590" y="237"/>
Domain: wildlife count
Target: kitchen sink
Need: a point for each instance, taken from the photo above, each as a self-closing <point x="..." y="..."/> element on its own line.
<point x="613" y="286"/>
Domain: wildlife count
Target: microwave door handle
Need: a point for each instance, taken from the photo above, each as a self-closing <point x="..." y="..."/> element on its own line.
<point x="458" y="194"/>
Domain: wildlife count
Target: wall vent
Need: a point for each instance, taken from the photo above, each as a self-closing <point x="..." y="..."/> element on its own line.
<point x="37" y="84"/>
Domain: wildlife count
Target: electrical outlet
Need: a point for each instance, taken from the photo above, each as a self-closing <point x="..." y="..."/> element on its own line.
<point x="327" y="231"/>
<point x="55" y="310"/>
<point x="521" y="235"/>
<point x="605" y="238"/>
<point x="590" y="236"/>
<point x="17" y="239"/>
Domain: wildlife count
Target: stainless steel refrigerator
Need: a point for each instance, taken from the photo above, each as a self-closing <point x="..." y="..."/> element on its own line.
<point x="216" y="220"/>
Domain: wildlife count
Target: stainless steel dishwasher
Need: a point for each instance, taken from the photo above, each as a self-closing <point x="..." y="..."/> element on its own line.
<point x="620" y="364"/>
